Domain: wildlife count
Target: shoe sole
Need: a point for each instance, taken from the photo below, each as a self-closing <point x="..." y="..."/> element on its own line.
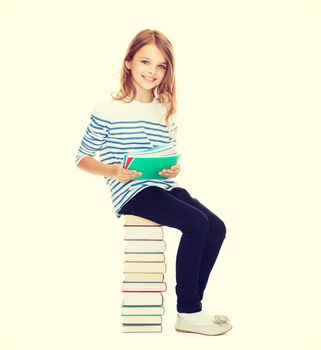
<point x="185" y="331"/>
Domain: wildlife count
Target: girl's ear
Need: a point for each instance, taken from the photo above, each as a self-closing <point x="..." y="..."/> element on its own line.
<point x="128" y="64"/>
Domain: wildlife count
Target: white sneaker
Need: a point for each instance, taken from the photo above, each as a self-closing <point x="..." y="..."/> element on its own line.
<point x="220" y="325"/>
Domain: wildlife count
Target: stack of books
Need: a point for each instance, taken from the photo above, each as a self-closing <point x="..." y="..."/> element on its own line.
<point x="143" y="282"/>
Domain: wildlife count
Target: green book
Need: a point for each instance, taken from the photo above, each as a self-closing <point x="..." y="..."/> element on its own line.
<point x="150" y="162"/>
<point x="142" y="310"/>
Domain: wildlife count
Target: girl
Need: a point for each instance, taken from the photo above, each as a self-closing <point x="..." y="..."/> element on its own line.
<point x="138" y="118"/>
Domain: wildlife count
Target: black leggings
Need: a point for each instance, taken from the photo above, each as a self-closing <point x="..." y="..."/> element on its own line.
<point x="202" y="236"/>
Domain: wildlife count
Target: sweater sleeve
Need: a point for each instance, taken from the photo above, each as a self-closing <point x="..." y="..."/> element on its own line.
<point x="94" y="137"/>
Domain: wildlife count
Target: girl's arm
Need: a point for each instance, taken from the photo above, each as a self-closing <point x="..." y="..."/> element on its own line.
<point x="92" y="166"/>
<point x="116" y="171"/>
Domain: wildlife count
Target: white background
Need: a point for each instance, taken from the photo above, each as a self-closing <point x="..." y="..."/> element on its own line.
<point x="249" y="85"/>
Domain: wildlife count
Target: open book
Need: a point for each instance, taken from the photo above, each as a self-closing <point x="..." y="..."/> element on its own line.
<point x="150" y="162"/>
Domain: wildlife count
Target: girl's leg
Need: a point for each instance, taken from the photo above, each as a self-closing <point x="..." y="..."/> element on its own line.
<point x="215" y="238"/>
<point x="157" y="204"/>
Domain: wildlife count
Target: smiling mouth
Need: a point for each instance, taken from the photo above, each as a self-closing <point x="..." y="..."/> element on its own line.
<point x="148" y="79"/>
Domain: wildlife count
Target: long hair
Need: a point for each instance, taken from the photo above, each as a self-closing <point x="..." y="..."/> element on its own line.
<point x="165" y="92"/>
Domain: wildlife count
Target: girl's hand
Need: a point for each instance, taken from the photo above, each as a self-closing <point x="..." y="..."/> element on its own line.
<point x="172" y="172"/>
<point x="123" y="175"/>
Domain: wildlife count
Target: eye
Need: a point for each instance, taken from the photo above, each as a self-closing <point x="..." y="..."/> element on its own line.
<point x="162" y="65"/>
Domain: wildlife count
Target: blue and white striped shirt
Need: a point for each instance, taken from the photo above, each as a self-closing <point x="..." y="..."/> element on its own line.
<point x="117" y="127"/>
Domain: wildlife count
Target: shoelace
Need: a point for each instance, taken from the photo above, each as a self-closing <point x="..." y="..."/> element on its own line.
<point x="220" y="319"/>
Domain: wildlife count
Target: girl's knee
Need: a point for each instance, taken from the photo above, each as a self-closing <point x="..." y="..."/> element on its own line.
<point x="199" y="222"/>
<point x="222" y="229"/>
<point x="218" y="229"/>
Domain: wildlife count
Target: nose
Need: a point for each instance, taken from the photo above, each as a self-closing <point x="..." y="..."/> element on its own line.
<point x="151" y="70"/>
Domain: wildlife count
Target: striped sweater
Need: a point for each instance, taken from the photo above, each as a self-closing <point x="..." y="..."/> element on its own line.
<point x="117" y="127"/>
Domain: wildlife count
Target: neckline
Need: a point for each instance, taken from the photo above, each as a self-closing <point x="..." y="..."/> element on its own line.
<point x="145" y="103"/>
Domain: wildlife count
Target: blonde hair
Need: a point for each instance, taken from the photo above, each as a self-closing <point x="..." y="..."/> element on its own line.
<point x="165" y="92"/>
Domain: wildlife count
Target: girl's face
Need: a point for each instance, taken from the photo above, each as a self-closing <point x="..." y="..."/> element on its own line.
<point x="148" y="68"/>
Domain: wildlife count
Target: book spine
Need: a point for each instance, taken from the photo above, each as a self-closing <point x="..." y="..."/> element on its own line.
<point x="128" y="287"/>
